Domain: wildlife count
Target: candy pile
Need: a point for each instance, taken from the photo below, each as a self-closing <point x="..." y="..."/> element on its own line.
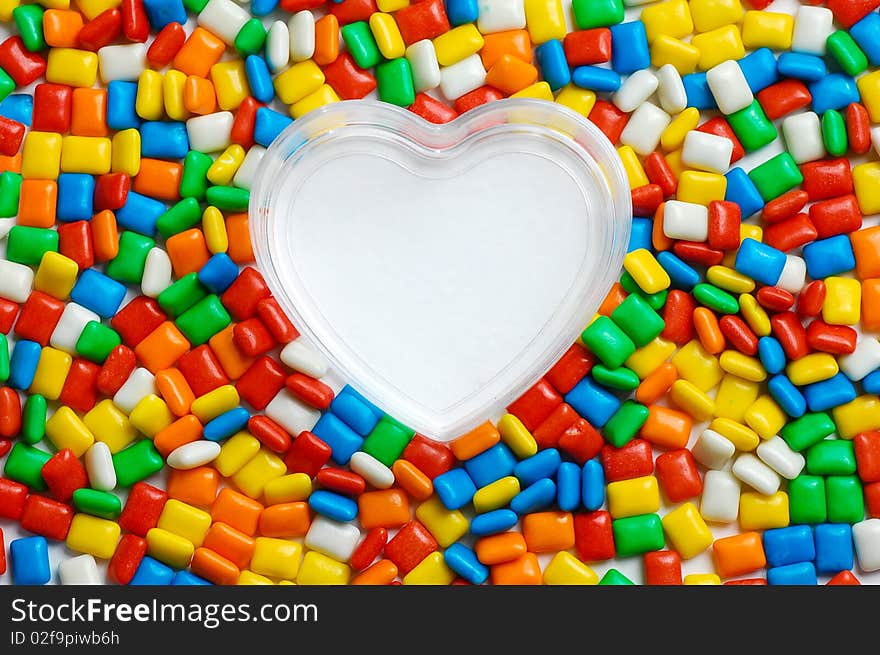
<point x="724" y="372"/>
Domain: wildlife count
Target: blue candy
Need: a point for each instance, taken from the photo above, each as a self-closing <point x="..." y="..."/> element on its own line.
<point x="829" y="256"/>
<point x="629" y="47"/>
<point x="460" y="12"/>
<point x="94" y="290"/>
<point x="357" y="412"/>
<point x="759" y="261"/>
<point x="802" y="67"/>
<point x="455" y="489"/>
<point x="185" y="578"/>
<point x="121" y="112"/>
<point x="463" y="561"/>
<point x="23" y="363"/>
<point x="871" y="383"/>
<point x="542" y="465"/>
<point x="553" y="64"/>
<point x="18" y="107"/>
<point x="742" y="191"/>
<point x="164" y="139"/>
<point x="826" y="394"/>
<point x="772" y="355"/>
<point x="698" y="93"/>
<point x="803" y="573"/>
<point x="268" y="125"/>
<point x="152" y="572"/>
<point x="595" y="78"/>
<point x="592" y="402"/>
<point x="490" y="465"/>
<point x="789" y="545"/>
<point x="682" y="274"/>
<point x="259" y="79"/>
<point x="759" y="69"/>
<point x="834" y="547"/>
<point x="593" y="485"/>
<point x="787" y="396"/>
<point x="140" y="213"/>
<point x="537" y="496"/>
<point x="218" y="273"/>
<point x="162" y="12"/>
<point x="499" y="520"/>
<point x="640" y="234"/>
<point x="76" y="194"/>
<point x="343" y="441"/>
<point x="333" y="506"/>
<point x="866" y="33"/>
<point x="834" y="91"/>
<point x="568" y="486"/>
<point x="30" y="561"/>
<point x="228" y="423"/>
<point x="263" y="7"/>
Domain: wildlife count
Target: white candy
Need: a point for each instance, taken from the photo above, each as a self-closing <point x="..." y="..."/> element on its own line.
<point x="6" y="224"/>
<point x="99" y="466"/>
<point x="16" y="281"/>
<point x="302" y="35"/>
<point x="372" y="470"/>
<point x="278" y="46"/>
<point x="756" y="474"/>
<point x="291" y="414"/>
<point x="646" y="124"/>
<point x="686" y="220"/>
<point x="247" y="172"/>
<point x="298" y="356"/>
<point x="866" y="535"/>
<point x="79" y="570"/>
<point x="422" y="58"/>
<point x="712" y="449"/>
<point x="140" y="384"/>
<point x="637" y="88"/>
<point x="803" y="137"/>
<point x="777" y="454"/>
<point x="794" y="273"/>
<point x="729" y="87"/>
<point x="707" y="152"/>
<point x="194" y="454"/>
<point x="500" y="15"/>
<point x="673" y="97"/>
<point x="157" y="273"/>
<point x="122" y="62"/>
<point x="720" y="501"/>
<point x="334" y="539"/>
<point x="812" y="27"/>
<point x="210" y="133"/>
<point x="863" y="360"/>
<point x="70" y="326"/>
<point x="224" y="18"/>
<point x="875" y="138"/>
<point x="462" y="77"/>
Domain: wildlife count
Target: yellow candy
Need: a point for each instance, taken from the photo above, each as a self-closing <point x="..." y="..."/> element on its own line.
<point x="577" y="99"/>
<point x="430" y="571"/>
<point x="673" y="136"/>
<point x="66" y="430"/>
<point x="214" y="228"/>
<point x="185" y="521"/>
<point x="843" y="301"/>
<point x="92" y="535"/>
<point x="712" y="14"/>
<point x="390" y="6"/>
<point x="86" y="154"/>
<point x="695" y="365"/>
<point x="110" y="425"/>
<point x="814" y="367"/>
<point x="718" y="46"/>
<point x="230" y="84"/>
<point x="214" y="403"/>
<point x="150" y="415"/>
<point x="687" y="531"/>
<point x="93" y="8"/>
<point x="56" y="275"/>
<point x="739" y="435"/>
<point x="748" y="368"/>
<point x="766" y="417"/>
<point x="52" y="369"/>
<point x="859" y="415"/>
<point x="633" y="497"/>
<point x="734" y="397"/>
<point x="754" y="314"/>
<point x="6" y="7"/>
<point x="496" y="495"/>
<point x="866" y="178"/>
<point x="545" y="20"/>
<point x="635" y="172"/>
<point x="447" y="526"/>
<point x="648" y="358"/>
<point x="687" y="397"/>
<point x="291" y="488"/>
<point x="298" y="81"/>
<point x="669" y="50"/>
<point x="700" y="187"/>
<point x="646" y="271"/>
<point x="325" y="95"/>
<point x="675" y="164"/>
<point x="767" y="29"/>
<point x="672" y="18"/>
<point x="149" y="102"/>
<point x="517" y="438"/>
<point x="250" y="578"/>
<point x="869" y="89"/>
<point x="701" y="579"/>
<point x="730" y="279"/>
<point x="72" y="67"/>
<point x="41" y="156"/>
<point x="170" y="548"/>
<point x="566" y="569"/>
<point x="387" y="35"/>
<point x="759" y="512"/>
<point x="456" y="44"/>
<point x="126" y="152"/>
<point x="56" y="4"/>
<point x="320" y="569"/>
<point x="235" y="452"/>
<point x="276" y="558"/>
<point x="172" y="95"/>
<point x="539" y="91"/>
<point x="262" y="467"/>
<point x="226" y="165"/>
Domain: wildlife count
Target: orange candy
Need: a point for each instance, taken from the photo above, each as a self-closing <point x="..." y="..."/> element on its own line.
<point x="105" y="235"/>
<point x="214" y="567"/>
<point x="476" y="441"/>
<point x="184" y="430"/>
<point x="88" y="115"/>
<point x="656" y="384"/>
<point x="871" y="305"/>
<point x="200" y="51"/>
<point x="234" y="363"/>
<point x="739" y="554"/>
<point x="188" y="252"/>
<point x="524" y="570"/>
<point x="232" y="544"/>
<point x="388" y="508"/>
<point x="161" y="347"/>
<point x="11" y="164"/>
<point x="510" y="74"/>
<point x="548" y="532"/>
<point x="667" y="428"/>
<point x="37" y="203"/>
<point x="61" y="28"/>
<point x="237" y="510"/>
<point x="615" y="296"/>
<point x="196" y="486"/>
<point x="412" y="480"/>
<point x="708" y="331"/>
<point x="515" y="43"/>
<point x="326" y="40"/>
<point x="866" y="248"/>
<point x="382" y="572"/>
<point x="158" y="178"/>
<point x="658" y="237"/>
<point x="500" y="548"/>
<point x="285" y="520"/>
<point x="237" y="231"/>
<point x="199" y="96"/>
<point x="175" y="391"/>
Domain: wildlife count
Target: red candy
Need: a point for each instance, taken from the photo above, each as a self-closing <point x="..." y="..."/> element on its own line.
<point x="858" y="128"/>
<point x="698" y="253"/>
<point x="785" y="206"/>
<point x="10" y="412"/>
<point x="850" y="12"/>
<point x="64" y="474"/>
<point x="720" y="127"/>
<point x="243" y="295"/>
<point x="276" y="321"/>
<point x="593" y="537"/>
<point x="269" y="433"/>
<point x="827" y="178"/>
<point x="369" y="549"/>
<point x="46" y="517"/>
<point x="783" y="98"/>
<point x="307" y="455"/>
<point x="261" y="382"/>
<point x="309" y="390"/>
<point x="872" y="499"/>
<point x="476" y="98"/>
<point x="678" y="475"/>
<point x="21" y="64"/>
<point x="142" y="509"/>
<point x="38" y="318"/>
<point x="243" y="124"/>
<point x="587" y="47"/>
<point x="811" y="299"/>
<point x="137" y="319"/>
<point x="430" y="109"/>
<point x="775" y="299"/>
<point x="80" y="390"/>
<point x="341" y="481"/>
<point x="536" y="404"/>
<point x="609" y="119"/>
<point x="125" y="561"/>
<point x="410" y="545"/>
<point x="102" y="30"/>
<point x="724" y="224"/>
<point x="166" y="45"/>
<point x="135" y="24"/>
<point x="581" y="441"/>
<point x="53" y="104"/>
<point x="2" y="554"/>
<point x="571" y="368"/>
<point x="423" y="20"/>
<point x="12" y="497"/>
<point x="791" y="233"/>
<point x="633" y="460"/>
<point x="547" y="434"/>
<point x="646" y="199"/>
<point x="844" y="578"/>
<point x="202" y="371"/>
<point x="663" y="567"/>
<point x="659" y="172"/>
<point x="120" y="363"/>
<point x="787" y="329"/>
<point x="836" y="216"/>
<point x="349" y="11"/>
<point x="75" y="242"/>
<point x="8" y="312"/>
<point x="111" y="190"/>
<point x="678" y="316"/>
<point x="11" y="136"/>
<point x="349" y="80"/>
<point x="867" y="447"/>
<point x="252" y="338"/>
<point x="431" y="457"/>
<point x="834" y="339"/>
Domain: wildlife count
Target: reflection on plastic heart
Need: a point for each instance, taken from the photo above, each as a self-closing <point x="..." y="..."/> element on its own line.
<point x="441" y="269"/>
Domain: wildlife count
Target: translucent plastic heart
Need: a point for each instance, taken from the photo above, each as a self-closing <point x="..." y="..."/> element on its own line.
<point x="442" y="269"/>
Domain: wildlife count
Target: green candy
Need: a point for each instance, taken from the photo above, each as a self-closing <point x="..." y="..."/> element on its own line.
<point x="622" y="378"/>
<point x="846" y="502"/>
<point x="608" y="342"/>
<point x="834" y="133"/>
<point x="776" y="176"/>
<point x="250" y="38"/>
<point x="395" y="82"/>
<point x="181" y="295"/>
<point x="636" y="535"/>
<point x="194" y="180"/>
<point x="613" y="577"/>
<point x="847" y="53"/>
<point x="716" y="299"/>
<point x="10" y="183"/>
<point x="806" y="499"/>
<point x="182" y="216"/>
<point x="831" y="457"/>
<point x="597" y="13"/>
<point x="361" y="44"/>
<point x="27" y="245"/>
<point x="33" y="419"/>
<point x="7" y="85"/>
<point x="227" y="198"/>
<point x="203" y="320"/>
<point x="97" y="341"/>
<point x="387" y="440"/>
<point x="98" y="503"/>
<point x="752" y="127"/>
<point x="29" y="20"/>
<point x="131" y="260"/>
<point x="625" y="423"/>
<point x="638" y="320"/>
<point x="654" y="300"/>
<point x="802" y="433"/>
<point x="25" y="464"/>
<point x="195" y="6"/>
<point x="4" y="358"/>
<point x="137" y="462"/>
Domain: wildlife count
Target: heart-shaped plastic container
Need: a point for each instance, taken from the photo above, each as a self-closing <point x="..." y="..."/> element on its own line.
<point x="442" y="269"/>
